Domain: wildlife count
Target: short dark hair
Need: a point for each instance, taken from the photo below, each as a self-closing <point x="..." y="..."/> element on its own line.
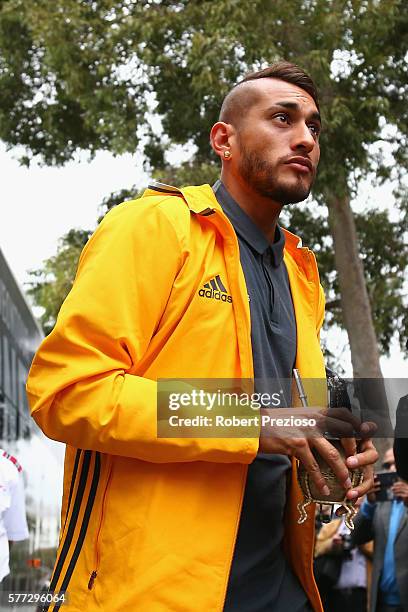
<point x="236" y="105"/>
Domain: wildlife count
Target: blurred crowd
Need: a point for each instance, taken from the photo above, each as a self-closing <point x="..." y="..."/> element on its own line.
<point x="359" y="570"/>
<point x="366" y="569"/>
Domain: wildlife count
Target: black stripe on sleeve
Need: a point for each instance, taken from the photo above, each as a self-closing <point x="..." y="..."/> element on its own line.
<point x="72" y="523"/>
<point x="84" y="527"/>
<point x="73" y="478"/>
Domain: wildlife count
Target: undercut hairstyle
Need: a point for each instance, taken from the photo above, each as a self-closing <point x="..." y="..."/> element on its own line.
<point x="240" y="98"/>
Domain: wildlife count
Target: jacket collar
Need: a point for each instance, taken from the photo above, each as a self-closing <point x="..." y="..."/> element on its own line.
<point x="201" y="200"/>
<point x="246" y="228"/>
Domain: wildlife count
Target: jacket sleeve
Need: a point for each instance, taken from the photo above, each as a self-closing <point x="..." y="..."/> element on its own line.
<point x="83" y="386"/>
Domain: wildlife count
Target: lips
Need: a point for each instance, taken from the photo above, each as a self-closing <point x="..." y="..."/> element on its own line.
<point x="303" y="164"/>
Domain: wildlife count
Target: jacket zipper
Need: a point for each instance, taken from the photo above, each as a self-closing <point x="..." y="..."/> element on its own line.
<point x="310" y="265"/>
<point x="235" y="268"/>
<point x="229" y="236"/>
<point x="94" y="572"/>
<point x="233" y="263"/>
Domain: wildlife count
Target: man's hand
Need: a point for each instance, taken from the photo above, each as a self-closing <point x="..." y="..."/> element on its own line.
<point x="299" y="441"/>
<point x="303" y="439"/>
<point x="400" y="489"/>
<point x="365" y="460"/>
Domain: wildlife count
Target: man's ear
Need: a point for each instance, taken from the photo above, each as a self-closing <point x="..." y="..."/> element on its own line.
<point x="220" y="139"/>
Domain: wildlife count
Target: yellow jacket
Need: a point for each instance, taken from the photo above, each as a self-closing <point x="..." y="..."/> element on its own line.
<point x="150" y="524"/>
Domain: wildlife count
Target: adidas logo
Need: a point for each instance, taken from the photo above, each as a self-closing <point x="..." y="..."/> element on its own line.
<point x="215" y="290"/>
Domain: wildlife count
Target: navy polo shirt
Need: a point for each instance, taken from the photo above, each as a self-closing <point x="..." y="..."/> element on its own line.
<point x="261" y="579"/>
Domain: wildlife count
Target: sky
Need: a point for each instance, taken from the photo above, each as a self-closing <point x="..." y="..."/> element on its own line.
<point x="40" y="204"/>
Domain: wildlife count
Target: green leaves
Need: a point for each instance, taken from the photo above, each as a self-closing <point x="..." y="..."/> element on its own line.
<point x="81" y="75"/>
<point x="96" y="61"/>
<point x="384" y="250"/>
<point x="51" y="284"/>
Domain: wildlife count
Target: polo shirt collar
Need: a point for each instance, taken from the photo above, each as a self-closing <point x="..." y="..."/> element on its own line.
<point x="247" y="229"/>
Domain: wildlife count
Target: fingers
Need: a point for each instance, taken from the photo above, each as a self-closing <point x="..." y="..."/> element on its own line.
<point x="360" y="491"/>
<point x="364" y="487"/>
<point x="400" y="487"/>
<point x="341" y="423"/>
<point x="342" y="420"/>
<point x="354" y="494"/>
<point x="377" y="485"/>
<point x="349" y="445"/>
<point x="303" y="452"/>
<point x="333" y="458"/>
<point x="337" y="428"/>
<point x="365" y="459"/>
<point x="368" y="455"/>
<point x="367" y="429"/>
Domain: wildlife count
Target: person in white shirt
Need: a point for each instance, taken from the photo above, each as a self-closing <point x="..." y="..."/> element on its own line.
<point x="13" y="521"/>
<point x="348" y="591"/>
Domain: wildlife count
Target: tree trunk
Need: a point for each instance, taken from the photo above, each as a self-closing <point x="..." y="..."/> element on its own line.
<point x="358" y="320"/>
<point x="356" y="307"/>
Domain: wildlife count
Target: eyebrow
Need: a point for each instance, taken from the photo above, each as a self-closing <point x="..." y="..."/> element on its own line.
<point x="294" y="106"/>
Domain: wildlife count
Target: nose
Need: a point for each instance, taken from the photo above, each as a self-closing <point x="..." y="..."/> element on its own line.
<point x="303" y="138"/>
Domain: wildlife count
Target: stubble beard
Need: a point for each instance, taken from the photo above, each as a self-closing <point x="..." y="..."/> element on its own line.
<point x="263" y="178"/>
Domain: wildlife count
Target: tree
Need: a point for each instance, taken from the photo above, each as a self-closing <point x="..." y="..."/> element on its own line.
<point x="52" y="283"/>
<point x="92" y="75"/>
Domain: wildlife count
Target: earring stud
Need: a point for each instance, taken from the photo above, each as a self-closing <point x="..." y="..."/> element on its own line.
<point x="227" y="154"/>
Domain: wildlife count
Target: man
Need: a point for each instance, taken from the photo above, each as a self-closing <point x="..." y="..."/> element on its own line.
<point x="343" y="571"/>
<point x="13" y="521"/>
<point x="386" y="523"/>
<point x="183" y="520"/>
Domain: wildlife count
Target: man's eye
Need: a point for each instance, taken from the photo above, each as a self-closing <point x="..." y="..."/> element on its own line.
<point x="314" y="128"/>
<point x="282" y="117"/>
